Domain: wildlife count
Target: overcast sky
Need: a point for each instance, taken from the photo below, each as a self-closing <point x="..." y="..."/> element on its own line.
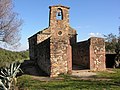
<point x="88" y="17"/>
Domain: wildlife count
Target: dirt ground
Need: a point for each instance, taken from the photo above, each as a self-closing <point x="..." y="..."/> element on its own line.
<point x="82" y="74"/>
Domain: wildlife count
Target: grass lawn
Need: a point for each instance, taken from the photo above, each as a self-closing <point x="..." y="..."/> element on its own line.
<point x="103" y="81"/>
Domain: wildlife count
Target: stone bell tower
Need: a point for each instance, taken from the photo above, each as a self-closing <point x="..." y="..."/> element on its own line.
<point x="59" y="14"/>
<point x="51" y="47"/>
<point x="59" y="21"/>
<point x="61" y="58"/>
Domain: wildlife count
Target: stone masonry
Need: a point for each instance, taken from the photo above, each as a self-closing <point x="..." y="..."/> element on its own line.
<point x="51" y="47"/>
<point x="55" y="47"/>
<point x="90" y="54"/>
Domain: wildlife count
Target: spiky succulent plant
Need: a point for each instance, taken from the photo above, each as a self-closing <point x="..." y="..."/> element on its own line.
<point x="8" y="75"/>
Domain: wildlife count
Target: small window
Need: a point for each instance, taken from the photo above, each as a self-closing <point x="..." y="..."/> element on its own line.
<point x="60" y="33"/>
<point x="59" y="15"/>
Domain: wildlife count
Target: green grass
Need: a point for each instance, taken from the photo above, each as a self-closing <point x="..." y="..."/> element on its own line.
<point x="74" y="83"/>
<point x="114" y="75"/>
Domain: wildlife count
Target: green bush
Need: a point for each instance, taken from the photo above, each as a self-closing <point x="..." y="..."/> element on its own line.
<point x="7" y="56"/>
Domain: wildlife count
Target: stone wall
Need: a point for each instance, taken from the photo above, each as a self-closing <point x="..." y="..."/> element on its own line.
<point x="32" y="47"/>
<point x="97" y="54"/>
<point x="60" y="57"/>
<point x="42" y="37"/>
<point x="61" y="37"/>
<point x="80" y="54"/>
<point x="51" y="47"/>
<point x="90" y="54"/>
<point x="43" y="56"/>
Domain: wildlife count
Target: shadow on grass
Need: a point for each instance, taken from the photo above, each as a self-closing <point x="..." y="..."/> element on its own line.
<point x="73" y="83"/>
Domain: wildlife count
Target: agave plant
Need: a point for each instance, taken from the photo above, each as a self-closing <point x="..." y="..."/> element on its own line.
<point x="8" y="75"/>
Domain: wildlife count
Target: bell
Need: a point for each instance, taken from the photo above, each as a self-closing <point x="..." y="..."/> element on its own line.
<point x="59" y="13"/>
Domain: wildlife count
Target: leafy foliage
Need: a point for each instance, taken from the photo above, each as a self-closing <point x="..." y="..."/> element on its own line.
<point x="113" y="46"/>
<point x="111" y="41"/>
<point x="7" y="56"/>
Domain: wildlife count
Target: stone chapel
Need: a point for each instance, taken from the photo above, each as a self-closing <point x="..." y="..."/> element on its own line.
<point x="55" y="49"/>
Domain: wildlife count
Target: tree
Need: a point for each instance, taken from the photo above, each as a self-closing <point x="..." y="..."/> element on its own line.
<point x="7" y="57"/>
<point x="112" y="45"/>
<point x="9" y="24"/>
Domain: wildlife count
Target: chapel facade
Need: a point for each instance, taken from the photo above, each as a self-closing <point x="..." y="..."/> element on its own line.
<point x="55" y="49"/>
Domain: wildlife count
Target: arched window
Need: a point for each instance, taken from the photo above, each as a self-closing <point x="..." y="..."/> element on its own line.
<point x="59" y="15"/>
